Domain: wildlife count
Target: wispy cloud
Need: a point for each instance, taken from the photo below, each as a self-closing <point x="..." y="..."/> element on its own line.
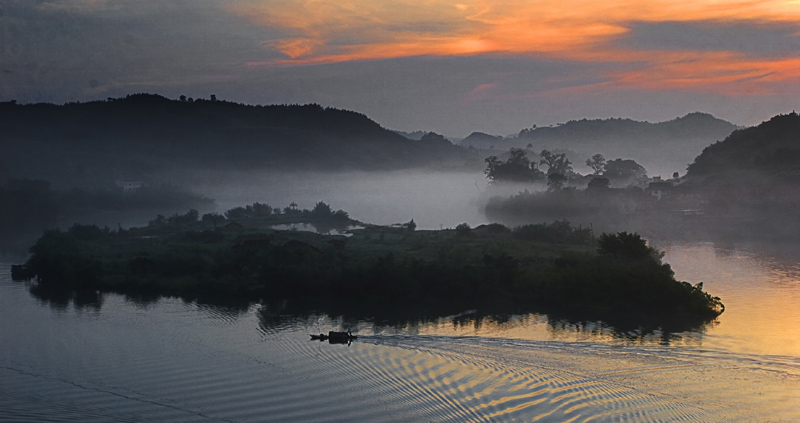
<point x="663" y="40"/>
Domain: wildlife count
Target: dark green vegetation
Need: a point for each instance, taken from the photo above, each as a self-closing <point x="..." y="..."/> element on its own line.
<point x="745" y="186"/>
<point x="517" y="168"/>
<point x="546" y="265"/>
<point x="767" y="150"/>
<point x="146" y="133"/>
<point x="557" y="169"/>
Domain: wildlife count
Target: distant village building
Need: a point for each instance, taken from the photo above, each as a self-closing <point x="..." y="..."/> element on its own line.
<point x="641" y="182"/>
<point x="128" y="185"/>
<point x="659" y="189"/>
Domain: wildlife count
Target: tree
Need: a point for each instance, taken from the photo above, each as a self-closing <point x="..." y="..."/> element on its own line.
<point x="321" y="211"/>
<point x="213" y="218"/>
<point x="160" y="220"/>
<point x="518" y="168"/>
<point x="182" y="219"/>
<point x="597" y="163"/>
<point x="463" y="229"/>
<point x="261" y="210"/>
<point x="620" y="169"/>
<point x="291" y="209"/>
<point x="556" y="181"/>
<point x="556" y="163"/>
<point x="237" y="212"/>
<point x="627" y="246"/>
<point x="598" y="184"/>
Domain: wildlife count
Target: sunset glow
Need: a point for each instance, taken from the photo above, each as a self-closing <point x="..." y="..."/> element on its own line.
<point x="322" y="31"/>
<point x="452" y="67"/>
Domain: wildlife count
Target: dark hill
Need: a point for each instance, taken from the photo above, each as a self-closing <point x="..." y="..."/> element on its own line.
<point x="483" y="140"/>
<point x="769" y="149"/>
<point x="753" y="176"/>
<point x="145" y="132"/>
<point x="580" y="132"/>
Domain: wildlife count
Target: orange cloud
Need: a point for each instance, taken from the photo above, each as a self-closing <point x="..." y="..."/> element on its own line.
<point x="327" y="31"/>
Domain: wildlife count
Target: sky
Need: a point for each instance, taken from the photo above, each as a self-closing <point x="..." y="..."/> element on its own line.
<point x="452" y="67"/>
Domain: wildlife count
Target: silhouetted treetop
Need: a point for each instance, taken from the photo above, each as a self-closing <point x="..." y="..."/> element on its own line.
<point x="218" y="131"/>
<point x="518" y="168"/>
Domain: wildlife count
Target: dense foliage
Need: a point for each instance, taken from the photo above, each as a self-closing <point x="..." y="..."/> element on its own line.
<point x="770" y="148"/>
<point x="549" y="265"/>
<point x="517" y="168"/>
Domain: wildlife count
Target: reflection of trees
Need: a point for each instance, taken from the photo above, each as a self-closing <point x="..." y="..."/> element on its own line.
<point x="274" y="316"/>
<point x="640" y="329"/>
<point x="83" y="299"/>
<point x="60" y="299"/>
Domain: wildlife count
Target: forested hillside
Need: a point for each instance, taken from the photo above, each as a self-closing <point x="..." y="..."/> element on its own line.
<point x="144" y="132"/>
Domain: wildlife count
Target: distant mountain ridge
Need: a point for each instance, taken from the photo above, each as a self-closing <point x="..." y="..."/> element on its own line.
<point x="695" y="125"/>
<point x="669" y="145"/>
<point x="144" y="132"/>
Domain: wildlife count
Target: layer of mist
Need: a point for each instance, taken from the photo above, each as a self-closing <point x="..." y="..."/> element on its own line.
<point x="432" y="199"/>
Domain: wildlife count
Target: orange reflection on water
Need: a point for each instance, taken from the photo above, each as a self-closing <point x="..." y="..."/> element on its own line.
<point x="761" y="292"/>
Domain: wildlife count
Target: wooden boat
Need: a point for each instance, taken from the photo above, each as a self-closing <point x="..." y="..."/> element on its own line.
<point x="335" y="337"/>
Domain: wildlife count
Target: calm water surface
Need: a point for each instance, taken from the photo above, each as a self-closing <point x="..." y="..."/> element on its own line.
<point x="121" y="360"/>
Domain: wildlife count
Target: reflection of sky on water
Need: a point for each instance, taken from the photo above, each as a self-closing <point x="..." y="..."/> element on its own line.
<point x="527" y="326"/>
<point x="761" y="293"/>
<point x="760" y="287"/>
<point x="170" y="360"/>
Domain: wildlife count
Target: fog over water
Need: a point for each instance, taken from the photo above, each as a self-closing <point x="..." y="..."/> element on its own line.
<point x="434" y="199"/>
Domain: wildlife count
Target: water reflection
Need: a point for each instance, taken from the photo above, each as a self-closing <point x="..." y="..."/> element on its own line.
<point x="493" y="320"/>
<point x="760" y="285"/>
<point x="61" y="299"/>
<point x="489" y="321"/>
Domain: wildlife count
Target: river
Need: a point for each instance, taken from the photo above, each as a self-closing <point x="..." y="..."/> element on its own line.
<point x="111" y="358"/>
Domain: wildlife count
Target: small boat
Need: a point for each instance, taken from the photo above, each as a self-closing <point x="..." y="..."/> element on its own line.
<point x="335" y="337"/>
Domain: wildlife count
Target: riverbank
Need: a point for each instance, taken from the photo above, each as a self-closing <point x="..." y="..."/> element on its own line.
<point x="555" y="266"/>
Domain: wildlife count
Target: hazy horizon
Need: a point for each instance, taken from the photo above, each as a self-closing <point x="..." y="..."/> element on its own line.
<point x="448" y="68"/>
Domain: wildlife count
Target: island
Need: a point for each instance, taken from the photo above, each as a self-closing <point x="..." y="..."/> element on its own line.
<point x="255" y="253"/>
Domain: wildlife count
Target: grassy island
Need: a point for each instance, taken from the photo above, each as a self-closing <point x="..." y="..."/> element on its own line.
<point x="555" y="266"/>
